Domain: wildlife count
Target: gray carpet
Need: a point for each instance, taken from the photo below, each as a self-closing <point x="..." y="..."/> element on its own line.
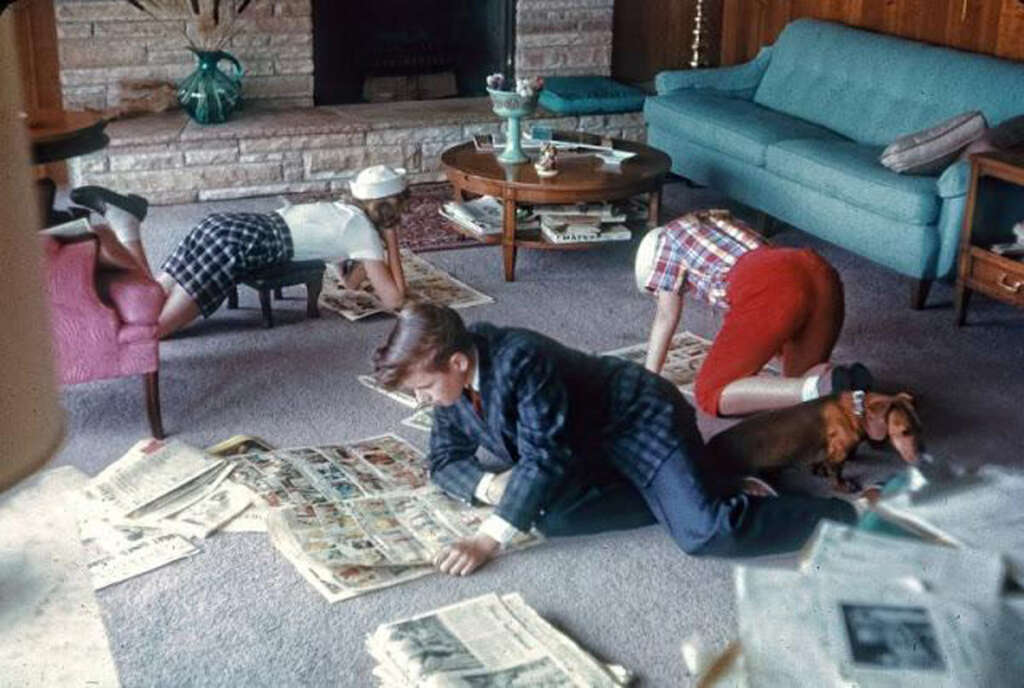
<point x="239" y="615"/>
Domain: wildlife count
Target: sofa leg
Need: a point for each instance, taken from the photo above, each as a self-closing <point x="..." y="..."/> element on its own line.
<point x="152" y="386"/>
<point x="919" y="293"/>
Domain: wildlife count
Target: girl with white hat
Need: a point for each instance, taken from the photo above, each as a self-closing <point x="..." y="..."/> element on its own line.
<point x="224" y="247"/>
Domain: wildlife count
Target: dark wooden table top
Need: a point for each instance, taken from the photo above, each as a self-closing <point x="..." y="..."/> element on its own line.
<point x="578" y="174"/>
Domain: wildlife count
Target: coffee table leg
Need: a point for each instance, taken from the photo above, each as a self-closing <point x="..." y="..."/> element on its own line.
<point x="508" y="239"/>
<point x="653" y="208"/>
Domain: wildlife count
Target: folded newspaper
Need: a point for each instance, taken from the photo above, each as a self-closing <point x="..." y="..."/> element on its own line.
<point x="486" y="641"/>
<point x="980" y="509"/>
<point x="843" y="630"/>
<point x="144" y="510"/>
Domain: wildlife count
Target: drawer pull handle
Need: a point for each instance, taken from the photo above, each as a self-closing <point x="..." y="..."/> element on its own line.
<point x="1013" y="287"/>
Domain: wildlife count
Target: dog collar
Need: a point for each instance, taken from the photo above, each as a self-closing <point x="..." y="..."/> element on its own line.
<point x="858" y="403"/>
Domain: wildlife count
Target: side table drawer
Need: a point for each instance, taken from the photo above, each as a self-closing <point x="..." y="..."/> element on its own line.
<point x="997" y="276"/>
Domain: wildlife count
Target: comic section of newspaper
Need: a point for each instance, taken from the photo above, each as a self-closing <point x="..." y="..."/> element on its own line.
<point x="254" y="518"/>
<point x="685" y="356"/>
<point x="149" y="507"/>
<point x="421" y="419"/>
<point x="357" y="517"/>
<point x="485" y="641"/>
<point x="424" y="282"/>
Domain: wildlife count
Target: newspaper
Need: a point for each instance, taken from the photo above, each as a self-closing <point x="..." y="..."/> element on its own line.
<point x="423" y="419"/>
<point x="481" y="215"/>
<point x="424" y="282"/>
<point x="254" y="518"/>
<point x="482" y="642"/>
<point x="980" y="510"/>
<point x="826" y="630"/>
<point x="685" y="355"/>
<point x="958" y="573"/>
<point x="304" y="476"/>
<point x="116" y="552"/>
<point x="401" y="396"/>
<point x="150" y="470"/>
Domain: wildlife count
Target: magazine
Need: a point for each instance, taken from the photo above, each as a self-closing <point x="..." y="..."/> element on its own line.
<point x="583" y="233"/>
<point x="486" y="641"/>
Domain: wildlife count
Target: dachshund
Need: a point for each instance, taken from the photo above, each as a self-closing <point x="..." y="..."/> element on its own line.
<point x="821" y="433"/>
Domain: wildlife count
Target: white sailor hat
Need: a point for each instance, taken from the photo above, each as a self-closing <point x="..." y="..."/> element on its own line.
<point x="378" y="181"/>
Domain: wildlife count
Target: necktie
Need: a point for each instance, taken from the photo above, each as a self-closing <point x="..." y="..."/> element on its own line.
<point x="474" y="399"/>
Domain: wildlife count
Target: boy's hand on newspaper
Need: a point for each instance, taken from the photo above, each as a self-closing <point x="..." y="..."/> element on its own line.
<point x="466" y="555"/>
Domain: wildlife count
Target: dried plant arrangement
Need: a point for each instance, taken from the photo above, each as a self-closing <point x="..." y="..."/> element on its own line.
<point x="215" y="22"/>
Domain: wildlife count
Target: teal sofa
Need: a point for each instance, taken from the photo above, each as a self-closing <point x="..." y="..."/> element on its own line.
<point x="797" y="132"/>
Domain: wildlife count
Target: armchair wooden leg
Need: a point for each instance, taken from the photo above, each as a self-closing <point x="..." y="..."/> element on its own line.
<point x="312" y="296"/>
<point x="152" y="386"/>
<point x="268" y="316"/>
<point x="919" y="293"/>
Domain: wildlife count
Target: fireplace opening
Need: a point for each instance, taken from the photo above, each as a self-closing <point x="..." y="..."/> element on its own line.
<point x="389" y="50"/>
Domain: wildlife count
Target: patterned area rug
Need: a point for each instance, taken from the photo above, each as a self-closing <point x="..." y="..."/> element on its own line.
<point x="423" y="229"/>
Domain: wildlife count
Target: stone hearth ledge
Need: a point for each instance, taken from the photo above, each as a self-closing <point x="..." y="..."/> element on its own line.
<point x="261" y="152"/>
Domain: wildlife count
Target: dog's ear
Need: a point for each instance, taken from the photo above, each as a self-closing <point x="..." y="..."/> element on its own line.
<point x="876" y="412"/>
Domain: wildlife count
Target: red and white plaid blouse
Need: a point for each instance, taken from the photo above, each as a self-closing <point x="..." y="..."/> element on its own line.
<point x="697" y="250"/>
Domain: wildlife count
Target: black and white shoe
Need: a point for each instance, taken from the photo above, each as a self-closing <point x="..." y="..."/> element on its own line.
<point x="97" y="198"/>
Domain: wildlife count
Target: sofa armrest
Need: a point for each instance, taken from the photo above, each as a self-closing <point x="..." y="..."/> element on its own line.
<point x="136" y="297"/>
<point x="739" y="81"/>
<point x="954" y="180"/>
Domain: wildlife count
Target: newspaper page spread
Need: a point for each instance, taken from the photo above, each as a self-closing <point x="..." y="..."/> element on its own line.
<point x="980" y="510"/>
<point x="685" y="355"/>
<point x="424" y="282"/>
<point x="116" y="552"/>
<point x="959" y="573"/>
<point x="399" y="532"/>
<point x="479" y="643"/>
<point x="303" y="476"/>
<point x="423" y="419"/>
<point x="826" y="630"/>
<point x="252" y="519"/>
<point x="150" y="470"/>
<point x="401" y="396"/>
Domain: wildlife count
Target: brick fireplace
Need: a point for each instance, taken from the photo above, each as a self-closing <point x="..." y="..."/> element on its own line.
<point x="280" y="142"/>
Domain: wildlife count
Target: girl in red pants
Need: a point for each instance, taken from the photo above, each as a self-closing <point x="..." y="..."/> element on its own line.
<point x="783" y="302"/>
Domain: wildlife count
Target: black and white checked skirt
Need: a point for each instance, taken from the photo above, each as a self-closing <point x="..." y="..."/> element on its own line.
<point x="222" y="248"/>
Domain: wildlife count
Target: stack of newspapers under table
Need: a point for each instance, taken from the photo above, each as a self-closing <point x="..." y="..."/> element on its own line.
<point x="487" y="641"/>
<point x="866" y="609"/>
<point x="560" y="224"/>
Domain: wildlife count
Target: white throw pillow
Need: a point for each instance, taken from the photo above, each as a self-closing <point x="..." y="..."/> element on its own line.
<point x="932" y="150"/>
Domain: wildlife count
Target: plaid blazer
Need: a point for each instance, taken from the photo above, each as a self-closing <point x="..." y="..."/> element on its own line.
<point x="551" y="411"/>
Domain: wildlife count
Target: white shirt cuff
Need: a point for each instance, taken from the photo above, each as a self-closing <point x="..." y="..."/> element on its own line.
<point x="481" y="488"/>
<point x="497" y="528"/>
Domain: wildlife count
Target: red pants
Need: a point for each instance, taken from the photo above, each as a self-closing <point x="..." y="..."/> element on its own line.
<point x="781" y="301"/>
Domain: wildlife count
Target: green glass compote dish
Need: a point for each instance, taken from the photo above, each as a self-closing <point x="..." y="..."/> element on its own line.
<point x="512" y="107"/>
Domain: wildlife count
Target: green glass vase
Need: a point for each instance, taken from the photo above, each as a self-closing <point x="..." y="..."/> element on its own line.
<point x="208" y="94"/>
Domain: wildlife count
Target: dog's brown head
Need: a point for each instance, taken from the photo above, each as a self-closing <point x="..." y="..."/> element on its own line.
<point x="894" y="417"/>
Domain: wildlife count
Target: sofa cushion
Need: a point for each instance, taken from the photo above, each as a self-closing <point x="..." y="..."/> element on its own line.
<point x="579" y="95"/>
<point x="733" y="126"/>
<point x="850" y="172"/>
<point x="932" y="150"/>
<point x="874" y="88"/>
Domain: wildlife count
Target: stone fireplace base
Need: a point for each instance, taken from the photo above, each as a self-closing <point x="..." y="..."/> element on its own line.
<point x="170" y="159"/>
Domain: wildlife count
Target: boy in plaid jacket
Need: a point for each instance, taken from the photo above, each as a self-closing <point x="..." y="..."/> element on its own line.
<point x="587" y="444"/>
<point x="780" y="301"/>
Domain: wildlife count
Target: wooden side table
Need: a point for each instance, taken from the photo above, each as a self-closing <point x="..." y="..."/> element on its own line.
<point x="980" y="269"/>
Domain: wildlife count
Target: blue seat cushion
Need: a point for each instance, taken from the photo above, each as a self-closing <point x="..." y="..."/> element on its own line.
<point x="734" y="126"/>
<point x="851" y="172"/>
<point x="583" y="95"/>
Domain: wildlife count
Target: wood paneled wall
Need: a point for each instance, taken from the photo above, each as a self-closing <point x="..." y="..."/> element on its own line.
<point x="986" y="26"/>
<point x="654" y="35"/>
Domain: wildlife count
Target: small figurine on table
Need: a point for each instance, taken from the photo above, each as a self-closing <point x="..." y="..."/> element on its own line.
<point x="547" y="164"/>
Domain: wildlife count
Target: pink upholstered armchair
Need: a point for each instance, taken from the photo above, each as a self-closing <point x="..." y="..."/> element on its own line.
<point x="104" y="321"/>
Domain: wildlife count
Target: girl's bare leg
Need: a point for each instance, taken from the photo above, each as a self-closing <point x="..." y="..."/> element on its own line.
<point x="179" y="310"/>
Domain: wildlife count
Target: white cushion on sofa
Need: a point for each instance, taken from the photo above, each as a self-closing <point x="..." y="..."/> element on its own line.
<point x="930" y="151"/>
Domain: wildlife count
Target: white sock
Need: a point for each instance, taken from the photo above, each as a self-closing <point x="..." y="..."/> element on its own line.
<point x="124" y="224"/>
<point x="809" y="390"/>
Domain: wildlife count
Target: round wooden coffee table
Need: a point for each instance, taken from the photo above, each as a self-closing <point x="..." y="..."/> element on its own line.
<point x="581" y="179"/>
